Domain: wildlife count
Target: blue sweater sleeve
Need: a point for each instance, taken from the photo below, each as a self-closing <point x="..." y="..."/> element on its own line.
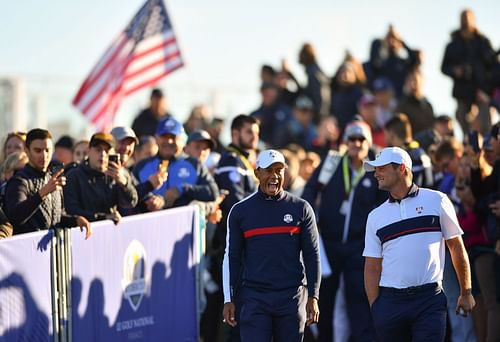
<point x="234" y="253"/>
<point x="310" y="251"/>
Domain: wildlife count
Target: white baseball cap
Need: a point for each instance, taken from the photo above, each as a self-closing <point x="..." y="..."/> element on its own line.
<point x="267" y="158"/>
<point x="389" y="155"/>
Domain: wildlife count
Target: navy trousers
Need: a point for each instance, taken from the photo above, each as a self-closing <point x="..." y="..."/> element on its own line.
<point x="277" y="316"/>
<point x="413" y="314"/>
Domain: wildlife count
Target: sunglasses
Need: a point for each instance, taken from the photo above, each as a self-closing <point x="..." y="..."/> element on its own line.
<point x="354" y="139"/>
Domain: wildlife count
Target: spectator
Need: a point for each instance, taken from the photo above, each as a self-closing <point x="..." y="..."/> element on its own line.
<point x="146" y="122"/>
<point x="13" y="143"/>
<point x="146" y="148"/>
<point x="271" y="114"/>
<point x="308" y="164"/>
<point x="80" y="151"/>
<point x="234" y="174"/>
<point x="12" y="164"/>
<point x="34" y="199"/>
<point x="267" y="73"/>
<point x="397" y="133"/>
<point x="292" y="182"/>
<point x="328" y="136"/>
<point x="415" y="105"/>
<point x="347" y="89"/>
<point x="348" y="194"/>
<point x="391" y="58"/>
<point x="215" y="130"/>
<point x="125" y="141"/>
<point x="384" y="97"/>
<point x="198" y="119"/>
<point x="63" y="151"/>
<point x="289" y="87"/>
<point x="188" y="179"/>
<point x="441" y="129"/>
<point x="97" y="187"/>
<point x="199" y="145"/>
<point x="318" y="84"/>
<point x="468" y="59"/>
<point x="299" y="128"/>
<point x="369" y="112"/>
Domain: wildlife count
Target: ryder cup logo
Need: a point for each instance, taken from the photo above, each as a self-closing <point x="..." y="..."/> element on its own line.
<point x="183" y="173"/>
<point x="419" y="209"/>
<point x="288" y="218"/>
<point x="134" y="266"/>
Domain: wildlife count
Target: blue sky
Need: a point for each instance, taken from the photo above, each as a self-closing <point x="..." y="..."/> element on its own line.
<point x="56" y="43"/>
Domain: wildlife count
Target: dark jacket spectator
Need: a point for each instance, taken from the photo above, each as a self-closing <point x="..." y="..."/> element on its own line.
<point x="415" y="105"/>
<point x="92" y="194"/>
<point x="390" y="57"/>
<point x="318" y="84"/>
<point x="147" y="120"/>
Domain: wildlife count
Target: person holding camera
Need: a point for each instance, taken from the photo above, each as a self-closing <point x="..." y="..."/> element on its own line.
<point x="99" y="185"/>
<point x="34" y="196"/>
<point x="468" y="60"/>
<point x="125" y="143"/>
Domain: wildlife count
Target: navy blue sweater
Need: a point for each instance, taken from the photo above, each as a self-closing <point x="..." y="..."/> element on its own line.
<point x="273" y="244"/>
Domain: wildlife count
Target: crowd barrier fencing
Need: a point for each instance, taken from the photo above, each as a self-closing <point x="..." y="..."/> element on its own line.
<point x="139" y="280"/>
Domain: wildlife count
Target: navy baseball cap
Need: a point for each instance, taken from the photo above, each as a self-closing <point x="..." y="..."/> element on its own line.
<point x="169" y="126"/>
<point x="201" y="135"/>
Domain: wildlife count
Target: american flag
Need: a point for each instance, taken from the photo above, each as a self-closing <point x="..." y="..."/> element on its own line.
<point x="142" y="54"/>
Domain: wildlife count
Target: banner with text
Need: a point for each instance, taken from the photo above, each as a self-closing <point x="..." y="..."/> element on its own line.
<point x="136" y="281"/>
<point x="25" y="288"/>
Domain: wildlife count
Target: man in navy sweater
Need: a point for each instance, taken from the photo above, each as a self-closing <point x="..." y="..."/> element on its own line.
<point x="271" y="265"/>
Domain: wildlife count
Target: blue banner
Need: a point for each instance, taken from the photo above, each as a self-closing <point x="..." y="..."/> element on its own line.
<point x="25" y="288"/>
<point x="136" y="281"/>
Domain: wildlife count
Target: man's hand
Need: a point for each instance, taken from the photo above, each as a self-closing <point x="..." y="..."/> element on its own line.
<point x="312" y="310"/>
<point x="56" y="182"/>
<point x="83" y="223"/>
<point x="465" y="303"/>
<point x="215" y="216"/>
<point x="497" y="247"/>
<point x="228" y="314"/>
<point x="114" y="216"/>
<point x="116" y="172"/>
<point x="170" y="196"/>
<point x="154" y="203"/>
<point x="157" y="179"/>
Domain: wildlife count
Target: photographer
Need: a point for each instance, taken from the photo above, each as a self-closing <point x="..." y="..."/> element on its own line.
<point x="34" y="197"/>
<point x="98" y="186"/>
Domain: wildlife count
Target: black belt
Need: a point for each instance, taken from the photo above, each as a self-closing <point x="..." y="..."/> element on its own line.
<point x="411" y="289"/>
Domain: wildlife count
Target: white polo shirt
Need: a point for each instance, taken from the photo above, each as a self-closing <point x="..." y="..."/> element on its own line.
<point x="409" y="237"/>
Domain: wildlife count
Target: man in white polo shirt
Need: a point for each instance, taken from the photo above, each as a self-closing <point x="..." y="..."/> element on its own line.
<point x="404" y="251"/>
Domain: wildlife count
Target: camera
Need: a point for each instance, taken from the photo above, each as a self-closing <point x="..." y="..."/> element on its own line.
<point x="115" y="158"/>
<point x="55" y="167"/>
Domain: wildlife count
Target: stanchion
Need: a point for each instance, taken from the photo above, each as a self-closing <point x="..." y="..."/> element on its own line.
<point x="67" y="249"/>
<point x="61" y="283"/>
<point x="55" y="293"/>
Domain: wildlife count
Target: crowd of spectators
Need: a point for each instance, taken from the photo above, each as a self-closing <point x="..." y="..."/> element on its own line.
<point x="325" y="128"/>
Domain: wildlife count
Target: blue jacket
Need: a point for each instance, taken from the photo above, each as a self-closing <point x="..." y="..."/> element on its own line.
<point x="273" y="244"/>
<point x="188" y="175"/>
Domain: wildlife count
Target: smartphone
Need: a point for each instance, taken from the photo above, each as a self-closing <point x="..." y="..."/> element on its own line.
<point x="473" y="139"/>
<point x="114" y="158"/>
<point x="55" y="167"/>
